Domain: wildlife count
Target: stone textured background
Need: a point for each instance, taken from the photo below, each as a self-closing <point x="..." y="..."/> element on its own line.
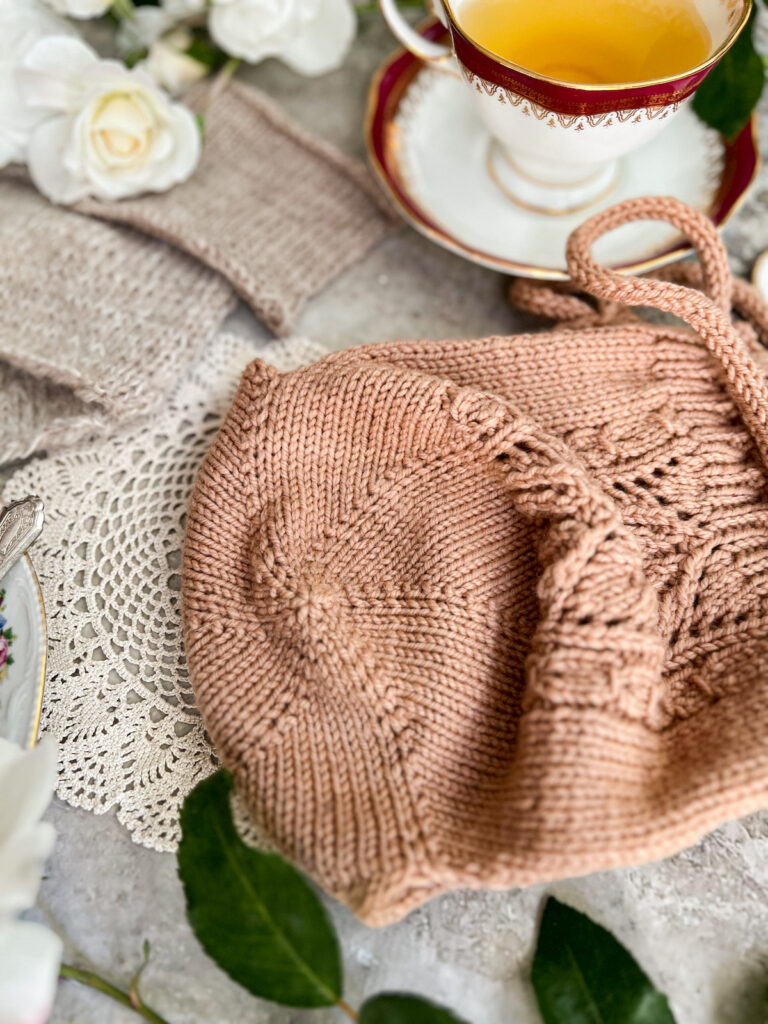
<point x="697" y="922"/>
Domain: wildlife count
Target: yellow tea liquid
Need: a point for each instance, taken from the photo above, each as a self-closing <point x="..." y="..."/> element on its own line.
<point x="590" y="41"/>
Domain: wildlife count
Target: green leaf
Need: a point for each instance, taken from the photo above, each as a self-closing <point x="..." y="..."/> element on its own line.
<point x="729" y="93"/>
<point x="582" y="975"/>
<point x="132" y="59"/>
<point x="204" y="52"/>
<point x="253" y="913"/>
<point x="396" y="1008"/>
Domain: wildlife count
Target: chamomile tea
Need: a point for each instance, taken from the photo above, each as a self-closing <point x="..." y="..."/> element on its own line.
<point x="595" y="42"/>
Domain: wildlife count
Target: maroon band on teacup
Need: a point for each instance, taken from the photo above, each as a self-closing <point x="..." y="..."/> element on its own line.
<point x="570" y="99"/>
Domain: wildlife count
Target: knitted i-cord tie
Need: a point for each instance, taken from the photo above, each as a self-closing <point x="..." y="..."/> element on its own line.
<point x="708" y="314"/>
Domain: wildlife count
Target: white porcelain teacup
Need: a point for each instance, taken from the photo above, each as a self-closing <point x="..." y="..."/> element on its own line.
<point x="554" y="145"/>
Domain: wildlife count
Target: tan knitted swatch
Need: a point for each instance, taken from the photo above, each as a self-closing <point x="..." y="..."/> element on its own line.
<point x="276" y="211"/>
<point x="485" y="613"/>
<point x="96" y="322"/>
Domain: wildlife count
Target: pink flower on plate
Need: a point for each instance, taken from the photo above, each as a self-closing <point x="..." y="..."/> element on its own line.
<point x="3" y="651"/>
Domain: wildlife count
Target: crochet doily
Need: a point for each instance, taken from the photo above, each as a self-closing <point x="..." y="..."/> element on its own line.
<point x="118" y="698"/>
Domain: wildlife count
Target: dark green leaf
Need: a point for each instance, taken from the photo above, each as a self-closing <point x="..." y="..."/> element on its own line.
<point x="729" y="93"/>
<point x="132" y="59"/>
<point x="582" y="975"/>
<point x="395" y="1008"/>
<point x="253" y="913"/>
<point x="204" y="52"/>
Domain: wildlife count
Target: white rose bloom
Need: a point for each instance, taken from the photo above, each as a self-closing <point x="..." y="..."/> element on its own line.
<point x="170" y="66"/>
<point x="22" y="23"/>
<point x="311" y="36"/>
<point x="81" y="8"/>
<point x="111" y="132"/>
<point x="29" y="952"/>
<point x="30" y="955"/>
<point x="141" y="30"/>
<point x="178" y="9"/>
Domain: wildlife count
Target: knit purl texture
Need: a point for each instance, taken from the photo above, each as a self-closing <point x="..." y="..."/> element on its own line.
<point x="274" y="210"/>
<point x="492" y="612"/>
<point x="96" y="322"/>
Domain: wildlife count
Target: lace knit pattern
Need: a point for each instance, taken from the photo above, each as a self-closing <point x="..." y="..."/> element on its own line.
<point x="484" y="613"/>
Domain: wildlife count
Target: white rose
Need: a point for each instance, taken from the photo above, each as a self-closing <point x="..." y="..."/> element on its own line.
<point x="311" y="36"/>
<point x="30" y="955"/>
<point x="148" y="23"/>
<point x="111" y="132"/>
<point x="170" y="66"/>
<point x="179" y="9"/>
<point x="141" y="30"/>
<point x="22" y="23"/>
<point x="81" y="8"/>
<point x="29" y="952"/>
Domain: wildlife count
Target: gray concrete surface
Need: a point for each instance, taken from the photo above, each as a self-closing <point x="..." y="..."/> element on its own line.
<point x="698" y="922"/>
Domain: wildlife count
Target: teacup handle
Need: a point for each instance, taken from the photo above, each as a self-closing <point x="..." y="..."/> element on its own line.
<point x="438" y="55"/>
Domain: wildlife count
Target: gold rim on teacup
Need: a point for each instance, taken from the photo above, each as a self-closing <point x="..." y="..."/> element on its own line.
<point x="561" y="134"/>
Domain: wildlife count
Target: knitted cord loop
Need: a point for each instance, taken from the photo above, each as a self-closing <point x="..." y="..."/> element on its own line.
<point x="708" y="314"/>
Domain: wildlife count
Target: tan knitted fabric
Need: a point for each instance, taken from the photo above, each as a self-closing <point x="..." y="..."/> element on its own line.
<point x="276" y="211"/>
<point x="485" y="613"/>
<point x="96" y="322"/>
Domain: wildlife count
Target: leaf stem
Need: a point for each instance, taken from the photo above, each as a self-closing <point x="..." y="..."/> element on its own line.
<point x="123" y="8"/>
<point x="218" y="85"/>
<point x="344" y="1006"/>
<point x="100" y="985"/>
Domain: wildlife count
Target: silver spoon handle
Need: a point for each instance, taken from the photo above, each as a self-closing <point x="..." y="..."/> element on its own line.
<point x="21" y="523"/>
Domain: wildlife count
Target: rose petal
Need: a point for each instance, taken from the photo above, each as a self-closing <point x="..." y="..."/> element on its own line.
<point x="30" y="955"/>
<point x="27" y="782"/>
<point x="51" y="74"/>
<point x="47" y="165"/>
<point x="81" y="8"/>
<point x="323" y="45"/>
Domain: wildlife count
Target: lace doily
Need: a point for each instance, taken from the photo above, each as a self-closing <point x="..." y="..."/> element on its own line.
<point x="118" y="698"/>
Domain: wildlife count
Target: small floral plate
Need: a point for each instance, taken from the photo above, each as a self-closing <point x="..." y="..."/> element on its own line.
<point x="23" y="647"/>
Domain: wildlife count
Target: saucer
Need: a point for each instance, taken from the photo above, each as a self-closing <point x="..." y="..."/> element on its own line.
<point x="22" y="676"/>
<point x="431" y="153"/>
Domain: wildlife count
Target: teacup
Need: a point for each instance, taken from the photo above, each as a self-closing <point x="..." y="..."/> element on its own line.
<point x="554" y="146"/>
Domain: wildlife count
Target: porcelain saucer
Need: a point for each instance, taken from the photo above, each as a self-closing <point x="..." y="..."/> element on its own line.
<point x="431" y="154"/>
<point x="23" y="646"/>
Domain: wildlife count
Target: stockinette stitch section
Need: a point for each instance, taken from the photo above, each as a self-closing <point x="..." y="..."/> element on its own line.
<point x="491" y="612"/>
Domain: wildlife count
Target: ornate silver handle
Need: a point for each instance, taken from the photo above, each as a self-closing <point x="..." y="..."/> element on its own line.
<point x="21" y="523"/>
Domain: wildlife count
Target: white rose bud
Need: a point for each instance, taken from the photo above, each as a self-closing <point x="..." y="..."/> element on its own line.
<point x="170" y="66"/>
<point x="141" y="30"/>
<point x="110" y="132"/>
<point x="81" y="8"/>
<point x="311" y="36"/>
<point x="178" y="9"/>
<point x="22" y="23"/>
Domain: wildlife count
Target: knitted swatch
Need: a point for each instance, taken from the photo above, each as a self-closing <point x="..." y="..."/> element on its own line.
<point x="96" y="322"/>
<point x="276" y="211"/>
<point x="486" y="613"/>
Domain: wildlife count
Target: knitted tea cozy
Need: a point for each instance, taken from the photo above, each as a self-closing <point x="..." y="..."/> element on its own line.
<point x="491" y="612"/>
